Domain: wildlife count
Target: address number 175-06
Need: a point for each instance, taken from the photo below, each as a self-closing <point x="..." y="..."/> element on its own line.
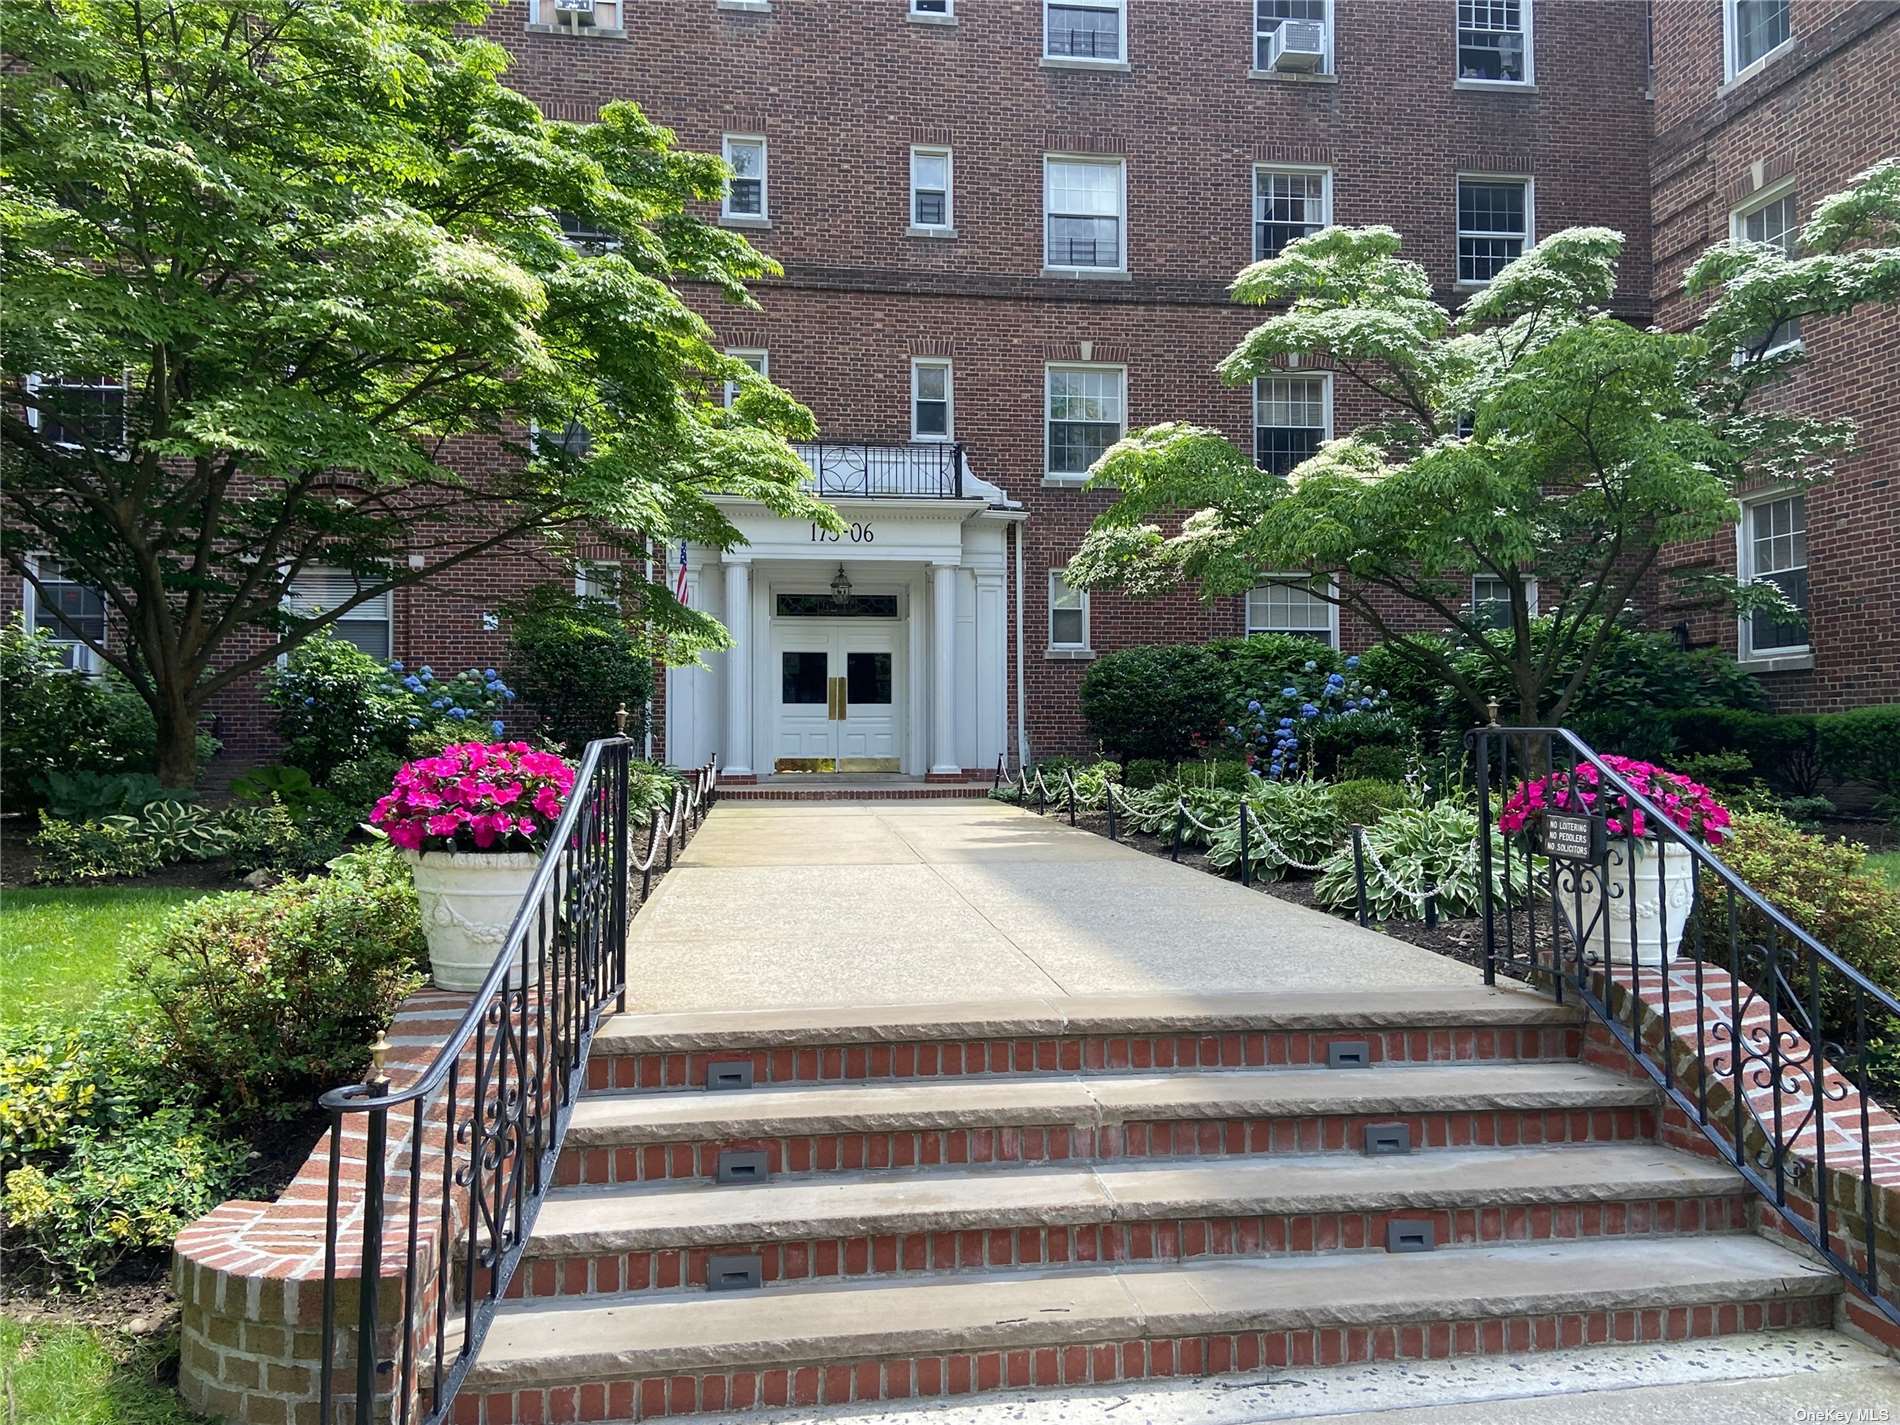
<point x="857" y="534"/>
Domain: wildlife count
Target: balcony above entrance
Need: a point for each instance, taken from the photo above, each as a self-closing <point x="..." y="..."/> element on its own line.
<point x="872" y="469"/>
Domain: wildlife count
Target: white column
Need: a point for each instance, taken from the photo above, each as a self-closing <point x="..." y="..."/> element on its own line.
<point x="737" y="757"/>
<point x="943" y="666"/>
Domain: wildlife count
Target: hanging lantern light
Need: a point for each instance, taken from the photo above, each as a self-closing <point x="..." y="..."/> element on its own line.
<point x="841" y="588"/>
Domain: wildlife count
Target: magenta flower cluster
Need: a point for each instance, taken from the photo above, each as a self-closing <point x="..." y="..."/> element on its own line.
<point x="1689" y="805"/>
<point x="476" y="796"/>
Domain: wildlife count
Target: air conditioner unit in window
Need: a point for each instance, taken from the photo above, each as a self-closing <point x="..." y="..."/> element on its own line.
<point x="576" y="14"/>
<point x="1297" y="46"/>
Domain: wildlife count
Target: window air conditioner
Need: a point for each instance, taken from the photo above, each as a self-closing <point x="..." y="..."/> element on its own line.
<point x="578" y="14"/>
<point x="1297" y="46"/>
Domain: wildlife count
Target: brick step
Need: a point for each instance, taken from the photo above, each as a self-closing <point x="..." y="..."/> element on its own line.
<point x="638" y="1358"/>
<point x="856" y="1225"/>
<point x="1095" y="1034"/>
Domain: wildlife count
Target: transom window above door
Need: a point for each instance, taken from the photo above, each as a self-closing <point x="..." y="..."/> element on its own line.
<point x="830" y="606"/>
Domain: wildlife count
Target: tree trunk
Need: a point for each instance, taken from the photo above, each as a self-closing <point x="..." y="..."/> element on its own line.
<point x="177" y="723"/>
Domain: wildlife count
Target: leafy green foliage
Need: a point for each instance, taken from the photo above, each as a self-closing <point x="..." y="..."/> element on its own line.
<point x="575" y="662"/>
<point x="1141" y="773"/>
<point x="323" y="245"/>
<point x="274" y="838"/>
<point x="1591" y="445"/>
<point x="650" y="789"/>
<point x="1366" y="801"/>
<point x="1412" y="850"/>
<point x="1781" y="746"/>
<point x="334" y="703"/>
<point x="1293" y="824"/>
<point x="72" y="851"/>
<point x="266" y="999"/>
<point x="1862" y="745"/>
<point x="1159" y="702"/>
<point x="290" y="785"/>
<point x="78" y="796"/>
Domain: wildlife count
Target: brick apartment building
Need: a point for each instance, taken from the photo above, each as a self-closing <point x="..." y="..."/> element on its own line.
<point x="1007" y="228"/>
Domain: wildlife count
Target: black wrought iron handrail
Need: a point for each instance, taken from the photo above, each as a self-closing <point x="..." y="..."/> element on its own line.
<point x="492" y="1105"/>
<point x="916" y="469"/>
<point x="1779" y="1018"/>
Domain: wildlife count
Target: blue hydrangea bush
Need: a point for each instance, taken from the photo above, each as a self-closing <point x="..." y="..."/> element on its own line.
<point x="1276" y="732"/>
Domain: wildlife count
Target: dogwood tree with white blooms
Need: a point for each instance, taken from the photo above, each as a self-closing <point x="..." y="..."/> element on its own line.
<point x="1530" y="436"/>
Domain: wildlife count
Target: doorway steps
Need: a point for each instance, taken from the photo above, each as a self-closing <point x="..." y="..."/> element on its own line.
<point x="926" y="1201"/>
<point x="861" y="787"/>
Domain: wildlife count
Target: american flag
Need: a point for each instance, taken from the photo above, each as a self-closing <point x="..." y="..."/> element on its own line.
<point x="679" y="582"/>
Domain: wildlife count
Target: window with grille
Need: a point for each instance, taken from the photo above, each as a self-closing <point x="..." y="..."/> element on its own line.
<point x="67" y="611"/>
<point x="1288" y="203"/>
<point x="1291" y="416"/>
<point x="600" y="15"/>
<point x="1269" y="15"/>
<point x="930" y="401"/>
<point x="78" y="411"/>
<point x="598" y="579"/>
<point x="1082" y="29"/>
<point x="1774" y="550"/>
<point x="1082" y="206"/>
<point x="757" y="359"/>
<point x="930" y="187"/>
<point x="1297" y="607"/>
<point x="1773" y="221"/>
<point x="745" y="191"/>
<point x="1754" y="30"/>
<point x="1084" y="416"/>
<point x="1494" y="41"/>
<point x="316" y="591"/>
<point x="1068" y="614"/>
<point x="1491" y="600"/>
<point x="1494" y="226"/>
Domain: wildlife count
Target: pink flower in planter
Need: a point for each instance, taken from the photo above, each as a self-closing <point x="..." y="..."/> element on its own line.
<point x="455" y="801"/>
<point x="1690" y="806"/>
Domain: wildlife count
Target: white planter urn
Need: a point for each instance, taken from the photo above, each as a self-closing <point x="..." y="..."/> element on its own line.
<point x="1649" y="900"/>
<point x="469" y="899"/>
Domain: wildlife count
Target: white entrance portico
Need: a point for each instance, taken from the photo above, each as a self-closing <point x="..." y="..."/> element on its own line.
<point x="884" y="648"/>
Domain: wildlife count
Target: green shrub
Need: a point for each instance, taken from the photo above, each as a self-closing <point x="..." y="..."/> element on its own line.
<point x="1141" y="773"/>
<point x="1380" y="740"/>
<point x="334" y="702"/>
<point x="1862" y="746"/>
<point x="1375" y="761"/>
<point x="575" y="662"/>
<point x="268" y="999"/>
<point x="73" y="851"/>
<point x="1268" y="662"/>
<point x="290" y="785"/>
<point x="358" y="784"/>
<point x="276" y="839"/>
<point x="1413" y="850"/>
<point x="1366" y="801"/>
<point x="650" y="789"/>
<point x="86" y="796"/>
<point x="1294" y="824"/>
<point x="1784" y="747"/>
<point x="92" y="1074"/>
<point x="1221" y="774"/>
<point x="1412" y="692"/>
<point x="1165" y="701"/>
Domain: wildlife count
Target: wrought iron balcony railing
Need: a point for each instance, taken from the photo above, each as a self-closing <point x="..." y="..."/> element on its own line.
<point x="918" y="469"/>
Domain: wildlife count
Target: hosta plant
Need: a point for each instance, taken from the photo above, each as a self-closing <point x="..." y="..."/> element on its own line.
<point x="1292" y="825"/>
<point x="1415" y="850"/>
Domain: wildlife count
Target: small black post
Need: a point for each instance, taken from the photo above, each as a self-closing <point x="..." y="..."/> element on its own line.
<point x="1070" y="777"/>
<point x="1042" y="795"/>
<point x="997" y="780"/>
<point x="1246" y="864"/>
<point x="1431" y="910"/>
<point x="1108" y="793"/>
<point x="1359" y="870"/>
<point x="1180" y="825"/>
<point x="653" y="844"/>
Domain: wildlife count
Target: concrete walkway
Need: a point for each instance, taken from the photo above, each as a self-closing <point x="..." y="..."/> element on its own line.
<point x="779" y="904"/>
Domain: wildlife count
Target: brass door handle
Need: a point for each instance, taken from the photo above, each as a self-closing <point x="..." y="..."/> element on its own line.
<point x="835" y="700"/>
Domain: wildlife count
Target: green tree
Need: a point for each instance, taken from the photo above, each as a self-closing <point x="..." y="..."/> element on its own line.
<point x="323" y="244"/>
<point x="1533" y="435"/>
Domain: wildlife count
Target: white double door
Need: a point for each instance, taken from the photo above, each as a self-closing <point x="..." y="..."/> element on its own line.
<point x="840" y="696"/>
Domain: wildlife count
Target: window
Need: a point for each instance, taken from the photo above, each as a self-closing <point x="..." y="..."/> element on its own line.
<point x="1491" y="600"/>
<point x="581" y="15"/>
<point x="1068" y="614"/>
<point x="1288" y="203"/>
<point x="1291" y="416"/>
<point x="1774" y="550"/>
<point x="945" y="8"/>
<point x="585" y="236"/>
<point x="745" y="192"/>
<point x="1082" y="29"/>
<point x="318" y="590"/>
<point x="1082" y="203"/>
<point x="79" y="412"/>
<point x="1771" y="220"/>
<point x="932" y="412"/>
<point x="1752" y="30"/>
<point x="1494" y="41"/>
<point x="1300" y="607"/>
<point x="757" y="359"/>
<point x="1269" y="15"/>
<point x="1494" y="226"/>
<point x="1084" y="411"/>
<point x="67" y="611"/>
<point x="598" y="579"/>
<point x="573" y="439"/>
<point x="930" y="188"/>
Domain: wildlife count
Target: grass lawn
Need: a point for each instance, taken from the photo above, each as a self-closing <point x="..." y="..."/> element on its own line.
<point x="75" y="1375"/>
<point x="1884" y="863"/>
<point x="61" y="950"/>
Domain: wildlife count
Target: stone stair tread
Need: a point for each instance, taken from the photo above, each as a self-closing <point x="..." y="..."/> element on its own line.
<point x="644" y="1217"/>
<point x="618" y="1337"/>
<point x="859" y="1107"/>
<point x="714" y="1031"/>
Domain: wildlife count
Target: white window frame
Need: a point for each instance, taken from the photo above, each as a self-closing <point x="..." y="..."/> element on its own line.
<point x="1307" y="170"/>
<point x="356" y="615"/>
<point x="1253" y="53"/>
<point x="949" y="224"/>
<point x="1329" y="602"/>
<point x="948" y="12"/>
<point x="943" y="363"/>
<point x="745" y="354"/>
<point x="1525" y="12"/>
<point x="1732" y="68"/>
<point x="1120" y="7"/>
<point x="1073" y="477"/>
<point x="34" y="380"/>
<point x="86" y="660"/>
<point x="1055" y="578"/>
<point x="543" y="13"/>
<point x="764" y="215"/>
<point x="1292" y="373"/>
<point x="587" y="584"/>
<point x="1530" y="593"/>
<point x="1120" y="166"/>
<point x="1530" y="221"/>
<point x="1746" y="572"/>
<point x="1737" y="230"/>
